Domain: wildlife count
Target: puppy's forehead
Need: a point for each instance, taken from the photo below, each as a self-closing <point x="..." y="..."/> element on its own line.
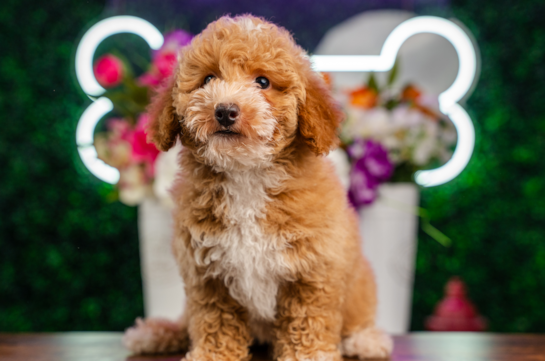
<point x="247" y="29"/>
<point x="245" y="42"/>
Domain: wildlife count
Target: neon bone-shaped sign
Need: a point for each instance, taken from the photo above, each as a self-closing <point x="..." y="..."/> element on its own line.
<point x="448" y="100"/>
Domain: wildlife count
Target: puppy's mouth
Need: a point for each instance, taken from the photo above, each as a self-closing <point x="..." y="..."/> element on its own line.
<point x="227" y="133"/>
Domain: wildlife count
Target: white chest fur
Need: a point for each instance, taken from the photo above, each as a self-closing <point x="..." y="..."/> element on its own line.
<point x="249" y="261"/>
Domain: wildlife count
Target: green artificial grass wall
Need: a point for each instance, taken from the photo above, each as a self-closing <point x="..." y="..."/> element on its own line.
<point x="68" y="259"/>
<point x="495" y="211"/>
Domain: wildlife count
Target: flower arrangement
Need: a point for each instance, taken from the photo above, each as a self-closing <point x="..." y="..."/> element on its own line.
<point x="389" y="135"/>
<point x="123" y="144"/>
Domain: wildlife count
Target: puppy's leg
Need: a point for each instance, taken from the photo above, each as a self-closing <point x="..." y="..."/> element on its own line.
<point x="218" y="326"/>
<point x="369" y="342"/>
<point x="361" y="338"/>
<point x="157" y="335"/>
<point x="308" y="322"/>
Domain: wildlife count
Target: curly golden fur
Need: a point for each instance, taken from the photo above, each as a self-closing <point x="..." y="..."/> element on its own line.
<point x="265" y="240"/>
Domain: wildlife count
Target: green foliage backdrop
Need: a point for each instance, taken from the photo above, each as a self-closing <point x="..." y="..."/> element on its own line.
<point x="495" y="211"/>
<point x="69" y="258"/>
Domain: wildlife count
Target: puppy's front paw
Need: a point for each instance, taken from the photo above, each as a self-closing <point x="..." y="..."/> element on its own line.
<point x="156" y="335"/>
<point x="314" y="356"/>
<point x="199" y="355"/>
<point x="368" y="343"/>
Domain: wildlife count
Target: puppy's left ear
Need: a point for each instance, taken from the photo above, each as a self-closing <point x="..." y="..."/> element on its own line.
<point x="319" y="116"/>
<point x="164" y="127"/>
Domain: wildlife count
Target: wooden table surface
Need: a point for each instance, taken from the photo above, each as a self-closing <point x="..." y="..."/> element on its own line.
<point x="106" y="346"/>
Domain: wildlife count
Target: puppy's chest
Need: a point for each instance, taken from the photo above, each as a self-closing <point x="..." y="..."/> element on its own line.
<point x="250" y="261"/>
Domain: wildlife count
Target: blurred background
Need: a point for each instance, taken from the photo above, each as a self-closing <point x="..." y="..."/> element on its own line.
<point x="69" y="250"/>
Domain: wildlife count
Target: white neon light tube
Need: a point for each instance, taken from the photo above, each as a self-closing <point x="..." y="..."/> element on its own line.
<point x="100" y="31"/>
<point x="86" y="78"/>
<point x="448" y="100"/>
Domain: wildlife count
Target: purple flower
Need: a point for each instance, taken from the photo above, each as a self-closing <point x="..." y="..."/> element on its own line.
<point x="363" y="189"/>
<point x="173" y="42"/>
<point x="370" y="168"/>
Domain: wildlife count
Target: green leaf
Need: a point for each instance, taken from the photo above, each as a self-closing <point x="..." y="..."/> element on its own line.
<point x="125" y="105"/>
<point x="436" y="234"/>
<point x="372" y="83"/>
<point x="391" y="104"/>
<point x="392" y="76"/>
<point x="424" y="215"/>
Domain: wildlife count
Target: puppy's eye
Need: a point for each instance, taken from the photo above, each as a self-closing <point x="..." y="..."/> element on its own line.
<point x="263" y="82"/>
<point x="208" y="78"/>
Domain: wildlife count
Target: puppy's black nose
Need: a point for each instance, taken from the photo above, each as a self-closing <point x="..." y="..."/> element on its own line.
<point x="226" y="115"/>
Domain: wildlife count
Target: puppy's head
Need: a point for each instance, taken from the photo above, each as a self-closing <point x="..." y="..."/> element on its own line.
<point x="242" y="92"/>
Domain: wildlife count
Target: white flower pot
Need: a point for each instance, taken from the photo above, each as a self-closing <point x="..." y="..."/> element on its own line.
<point x="162" y="285"/>
<point x="389" y="232"/>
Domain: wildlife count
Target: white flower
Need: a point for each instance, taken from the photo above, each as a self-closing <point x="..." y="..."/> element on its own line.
<point x="410" y="132"/>
<point x="166" y="169"/>
<point x="448" y="135"/>
<point x="431" y="128"/>
<point x="392" y="141"/>
<point x="444" y="155"/>
<point x="429" y="101"/>
<point x="376" y="123"/>
<point x="424" y="151"/>
<point x="339" y="159"/>
<point x="132" y="185"/>
<point x="405" y="117"/>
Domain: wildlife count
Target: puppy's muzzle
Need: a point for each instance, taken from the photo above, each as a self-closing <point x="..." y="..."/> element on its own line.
<point x="227" y="115"/>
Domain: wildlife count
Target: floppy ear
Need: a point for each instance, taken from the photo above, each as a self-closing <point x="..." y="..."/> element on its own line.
<point x="164" y="126"/>
<point x="319" y="116"/>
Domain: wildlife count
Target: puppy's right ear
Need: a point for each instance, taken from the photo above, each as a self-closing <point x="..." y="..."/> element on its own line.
<point x="164" y="126"/>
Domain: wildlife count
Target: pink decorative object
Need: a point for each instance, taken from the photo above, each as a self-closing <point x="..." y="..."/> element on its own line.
<point x="455" y="312"/>
<point x="108" y="71"/>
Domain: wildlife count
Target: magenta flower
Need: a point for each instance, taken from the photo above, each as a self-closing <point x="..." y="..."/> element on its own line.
<point x="165" y="63"/>
<point x="108" y="70"/>
<point x="128" y="146"/>
<point x="150" y="80"/>
<point x="142" y="151"/>
<point x="370" y="168"/>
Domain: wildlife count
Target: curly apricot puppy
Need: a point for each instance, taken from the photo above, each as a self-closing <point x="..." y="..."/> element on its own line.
<point x="266" y="243"/>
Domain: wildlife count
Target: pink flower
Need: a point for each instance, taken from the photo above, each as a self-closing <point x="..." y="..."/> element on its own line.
<point x="142" y="151"/>
<point x="149" y="80"/>
<point x="164" y="59"/>
<point x="120" y="129"/>
<point x="108" y="70"/>
<point x="126" y="145"/>
<point x="165" y="63"/>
